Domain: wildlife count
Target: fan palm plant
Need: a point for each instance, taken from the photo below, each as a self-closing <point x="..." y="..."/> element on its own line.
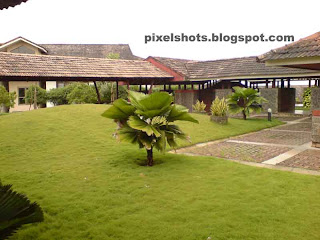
<point x="147" y="120"/>
<point x="15" y="211"/>
<point x="246" y="101"/>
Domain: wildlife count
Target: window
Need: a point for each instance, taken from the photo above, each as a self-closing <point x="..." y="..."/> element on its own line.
<point x="22" y="95"/>
<point x="60" y="84"/>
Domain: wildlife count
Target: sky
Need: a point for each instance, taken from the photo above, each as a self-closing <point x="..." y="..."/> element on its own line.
<point x="124" y="21"/>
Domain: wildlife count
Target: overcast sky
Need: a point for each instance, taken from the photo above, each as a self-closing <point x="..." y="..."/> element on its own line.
<point x="102" y="21"/>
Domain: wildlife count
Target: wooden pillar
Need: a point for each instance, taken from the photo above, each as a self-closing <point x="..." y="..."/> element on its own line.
<point x="117" y="88"/>
<point x="288" y="82"/>
<point x="282" y="83"/>
<point x="97" y="91"/>
<point x="309" y="83"/>
<point x="146" y="89"/>
<point x="179" y="87"/>
<point x="246" y="84"/>
<point x="185" y="87"/>
<point x="140" y="88"/>
<point x="192" y="86"/>
<point x="164" y="87"/>
<point x="229" y="84"/>
<point x="250" y="84"/>
<point x="273" y="83"/>
<point x="267" y="83"/>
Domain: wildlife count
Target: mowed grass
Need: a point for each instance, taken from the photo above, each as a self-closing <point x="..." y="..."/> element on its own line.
<point x="91" y="187"/>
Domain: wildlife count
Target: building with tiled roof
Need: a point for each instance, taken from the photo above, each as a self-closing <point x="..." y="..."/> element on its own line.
<point x="24" y="63"/>
<point x="304" y="53"/>
<point x="244" y="68"/>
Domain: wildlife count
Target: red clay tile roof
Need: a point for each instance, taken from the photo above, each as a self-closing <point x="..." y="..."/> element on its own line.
<point x="225" y="68"/>
<point x="305" y="47"/>
<point x="90" y="50"/>
<point x="27" y="65"/>
<point x="10" y="3"/>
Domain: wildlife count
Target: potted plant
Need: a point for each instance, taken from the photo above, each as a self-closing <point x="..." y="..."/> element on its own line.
<point x="219" y="111"/>
<point x="199" y="107"/>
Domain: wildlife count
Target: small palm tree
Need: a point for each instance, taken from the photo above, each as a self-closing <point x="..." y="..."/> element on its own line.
<point x="246" y="101"/>
<point x="147" y="120"/>
<point x="15" y="211"/>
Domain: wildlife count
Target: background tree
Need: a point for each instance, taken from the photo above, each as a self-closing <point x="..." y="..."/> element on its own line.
<point x="147" y="121"/>
<point x="36" y="95"/>
<point x="15" y="211"/>
<point x="82" y="93"/>
<point x="246" y="101"/>
<point x="6" y="98"/>
<point x="113" y="56"/>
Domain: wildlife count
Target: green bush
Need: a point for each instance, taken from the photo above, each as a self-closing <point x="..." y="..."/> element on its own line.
<point x="58" y="96"/>
<point x="82" y="93"/>
<point x="307" y="98"/>
<point x="219" y="107"/>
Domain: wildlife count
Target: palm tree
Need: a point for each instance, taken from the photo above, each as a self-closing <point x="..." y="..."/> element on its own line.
<point x="15" y="211"/>
<point x="246" y="101"/>
<point x="147" y="120"/>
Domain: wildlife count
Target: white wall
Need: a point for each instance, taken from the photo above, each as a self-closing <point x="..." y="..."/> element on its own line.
<point x="50" y="85"/>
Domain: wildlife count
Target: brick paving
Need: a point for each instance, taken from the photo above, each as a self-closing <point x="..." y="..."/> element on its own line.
<point x="286" y="146"/>
<point x="277" y="137"/>
<point x="309" y="159"/>
<point x="297" y="127"/>
<point x="237" y="151"/>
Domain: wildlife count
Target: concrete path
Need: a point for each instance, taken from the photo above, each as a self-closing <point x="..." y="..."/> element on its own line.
<point x="286" y="147"/>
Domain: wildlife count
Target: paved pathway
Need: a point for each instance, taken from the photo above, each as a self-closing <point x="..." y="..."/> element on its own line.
<point x="286" y="147"/>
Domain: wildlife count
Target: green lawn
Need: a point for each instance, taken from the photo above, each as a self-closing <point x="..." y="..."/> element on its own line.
<point x="92" y="187"/>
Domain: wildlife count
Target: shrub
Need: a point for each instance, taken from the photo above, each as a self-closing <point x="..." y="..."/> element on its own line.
<point x="199" y="106"/>
<point x="82" y="93"/>
<point x="6" y="98"/>
<point x="147" y="121"/>
<point x="219" y="107"/>
<point x="15" y="211"/>
<point x="36" y="95"/>
<point x="307" y="98"/>
<point x="245" y="100"/>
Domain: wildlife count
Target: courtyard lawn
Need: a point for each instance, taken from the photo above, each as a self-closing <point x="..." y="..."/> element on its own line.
<point x="91" y="187"/>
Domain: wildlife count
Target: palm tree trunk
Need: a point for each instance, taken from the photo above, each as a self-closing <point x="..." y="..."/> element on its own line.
<point x="150" y="157"/>
<point x="244" y="115"/>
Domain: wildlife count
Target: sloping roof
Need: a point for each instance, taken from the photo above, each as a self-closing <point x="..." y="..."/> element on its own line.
<point x="233" y="68"/>
<point x="46" y="66"/>
<point x="236" y="67"/>
<point x="15" y="40"/>
<point x="90" y="50"/>
<point x="10" y="3"/>
<point x="178" y="65"/>
<point x="305" y="47"/>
